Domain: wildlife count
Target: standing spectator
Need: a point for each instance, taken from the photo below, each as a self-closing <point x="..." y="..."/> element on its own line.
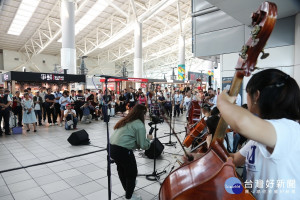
<point x="38" y="101"/>
<point x="87" y="94"/>
<point x="177" y="102"/>
<point x="122" y="100"/>
<point x="168" y="105"/>
<point x="107" y="99"/>
<point x="70" y="116"/>
<point x="131" y="98"/>
<point x="78" y="103"/>
<point x="5" y="102"/>
<point x="43" y="94"/>
<point x="50" y="100"/>
<point x="29" y="93"/>
<point x="73" y="97"/>
<point x="142" y="99"/>
<point x="126" y="96"/>
<point x="166" y="92"/>
<point x="182" y="94"/>
<point x="86" y="110"/>
<point x="17" y="107"/>
<point x="187" y="100"/>
<point x="63" y="101"/>
<point x="149" y="98"/>
<point x="29" y="116"/>
<point x="57" y="112"/>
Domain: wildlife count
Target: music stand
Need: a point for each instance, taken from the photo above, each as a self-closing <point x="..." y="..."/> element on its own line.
<point x="106" y="119"/>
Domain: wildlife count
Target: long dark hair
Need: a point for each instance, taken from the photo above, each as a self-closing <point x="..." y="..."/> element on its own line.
<point x="212" y="123"/>
<point x="279" y="94"/>
<point x="138" y="112"/>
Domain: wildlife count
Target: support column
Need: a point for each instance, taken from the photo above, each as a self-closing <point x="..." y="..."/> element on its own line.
<point x="138" y="54"/>
<point x="68" y="51"/>
<point x="181" y="58"/>
<point x="297" y="49"/>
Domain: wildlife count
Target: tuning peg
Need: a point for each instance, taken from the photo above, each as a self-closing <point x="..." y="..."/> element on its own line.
<point x="255" y="31"/>
<point x="243" y="53"/>
<point x="264" y="55"/>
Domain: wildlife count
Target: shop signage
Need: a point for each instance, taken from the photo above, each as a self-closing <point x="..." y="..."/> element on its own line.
<point x="140" y="80"/>
<point x="5" y="77"/>
<point x="52" y="77"/>
<point x="42" y="77"/>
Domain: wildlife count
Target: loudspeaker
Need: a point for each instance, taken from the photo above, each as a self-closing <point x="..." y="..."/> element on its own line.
<point x="159" y="147"/>
<point x="79" y="138"/>
<point x="209" y="80"/>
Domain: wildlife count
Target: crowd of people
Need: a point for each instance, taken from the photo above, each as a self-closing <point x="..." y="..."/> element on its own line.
<point x="67" y="108"/>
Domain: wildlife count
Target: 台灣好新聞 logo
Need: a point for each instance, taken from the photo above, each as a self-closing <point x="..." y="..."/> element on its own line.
<point x="233" y="186"/>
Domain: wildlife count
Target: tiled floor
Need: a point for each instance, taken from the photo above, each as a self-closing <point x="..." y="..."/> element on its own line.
<point x="83" y="177"/>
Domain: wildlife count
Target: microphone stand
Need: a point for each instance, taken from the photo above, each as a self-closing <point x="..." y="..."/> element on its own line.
<point x="170" y="143"/>
<point x="155" y="175"/>
<point x="106" y="119"/>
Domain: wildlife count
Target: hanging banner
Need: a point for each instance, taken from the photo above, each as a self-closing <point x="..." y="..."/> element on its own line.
<point x="181" y="72"/>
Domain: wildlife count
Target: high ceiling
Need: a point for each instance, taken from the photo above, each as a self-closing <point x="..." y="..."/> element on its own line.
<point x="110" y="36"/>
<point x="160" y="29"/>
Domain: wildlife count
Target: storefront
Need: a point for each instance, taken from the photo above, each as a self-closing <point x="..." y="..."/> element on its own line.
<point x="120" y="84"/>
<point x="15" y="81"/>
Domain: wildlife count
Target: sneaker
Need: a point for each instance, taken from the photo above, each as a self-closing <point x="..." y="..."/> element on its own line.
<point x="55" y="123"/>
<point x="60" y="124"/>
<point x="50" y="124"/>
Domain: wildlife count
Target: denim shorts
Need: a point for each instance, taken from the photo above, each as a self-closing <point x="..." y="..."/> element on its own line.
<point x="62" y="107"/>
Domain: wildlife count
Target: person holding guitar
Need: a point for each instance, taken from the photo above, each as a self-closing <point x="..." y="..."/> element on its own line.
<point x="272" y="125"/>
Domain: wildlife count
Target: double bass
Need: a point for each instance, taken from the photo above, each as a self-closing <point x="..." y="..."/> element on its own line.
<point x="206" y="177"/>
<point x="194" y="112"/>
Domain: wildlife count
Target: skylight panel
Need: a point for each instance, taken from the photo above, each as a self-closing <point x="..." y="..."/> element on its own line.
<point x="22" y="17"/>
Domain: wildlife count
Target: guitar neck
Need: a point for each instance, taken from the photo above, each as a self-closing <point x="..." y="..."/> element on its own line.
<point x="234" y="90"/>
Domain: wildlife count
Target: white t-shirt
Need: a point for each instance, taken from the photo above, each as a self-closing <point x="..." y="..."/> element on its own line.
<point x="43" y="94"/>
<point x="73" y="111"/>
<point x="238" y="100"/>
<point x="187" y="101"/>
<point x="86" y="96"/>
<point x="8" y="98"/>
<point x="213" y="101"/>
<point x="278" y="171"/>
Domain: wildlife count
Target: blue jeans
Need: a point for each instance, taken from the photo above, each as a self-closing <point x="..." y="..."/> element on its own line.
<point x="75" y="120"/>
<point x="38" y="114"/>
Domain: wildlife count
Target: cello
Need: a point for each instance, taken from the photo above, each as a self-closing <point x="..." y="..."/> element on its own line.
<point x="206" y="177"/>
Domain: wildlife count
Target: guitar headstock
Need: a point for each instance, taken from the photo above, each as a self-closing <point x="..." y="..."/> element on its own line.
<point x="263" y="22"/>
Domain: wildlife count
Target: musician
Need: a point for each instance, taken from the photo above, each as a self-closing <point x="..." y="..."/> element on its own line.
<point x="130" y="134"/>
<point x="211" y="99"/>
<point x="273" y="99"/>
<point x="212" y="123"/>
